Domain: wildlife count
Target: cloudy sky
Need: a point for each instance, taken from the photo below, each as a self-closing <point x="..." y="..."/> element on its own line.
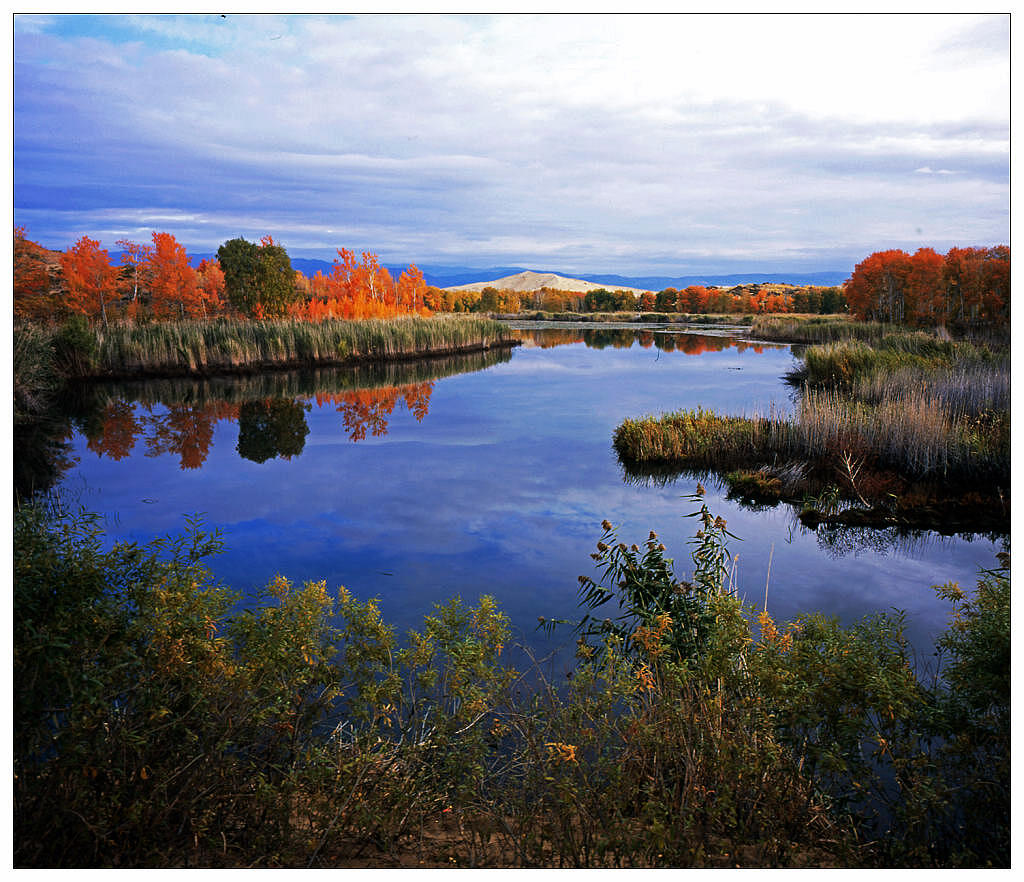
<point x="639" y="145"/>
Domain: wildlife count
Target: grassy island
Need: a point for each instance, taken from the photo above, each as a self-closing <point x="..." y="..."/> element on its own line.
<point x="912" y="428"/>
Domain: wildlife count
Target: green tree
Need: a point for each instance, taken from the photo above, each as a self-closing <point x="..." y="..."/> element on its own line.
<point x="258" y="279"/>
<point x="489" y="300"/>
<point x="238" y="258"/>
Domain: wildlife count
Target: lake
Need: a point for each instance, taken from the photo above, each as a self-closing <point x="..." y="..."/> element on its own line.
<point x="488" y="474"/>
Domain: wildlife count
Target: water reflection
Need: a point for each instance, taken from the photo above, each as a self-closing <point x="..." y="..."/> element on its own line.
<point x="271" y="428"/>
<point x="687" y="342"/>
<point x="417" y="483"/>
<point x="836" y="541"/>
<point x="179" y="416"/>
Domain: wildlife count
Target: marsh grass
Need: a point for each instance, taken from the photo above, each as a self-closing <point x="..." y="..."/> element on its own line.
<point x="34" y="380"/>
<point x="844" y="363"/>
<point x="917" y="432"/>
<point x="816" y="329"/>
<point x="190" y="347"/>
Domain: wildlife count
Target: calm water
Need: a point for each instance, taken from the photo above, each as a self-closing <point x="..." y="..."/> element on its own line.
<point x="488" y="474"/>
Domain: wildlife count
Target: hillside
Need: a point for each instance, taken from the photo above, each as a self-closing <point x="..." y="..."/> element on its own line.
<point x="534" y="281"/>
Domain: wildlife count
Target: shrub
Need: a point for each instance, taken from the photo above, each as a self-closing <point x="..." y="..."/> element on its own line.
<point x="75" y="348"/>
<point x="157" y="721"/>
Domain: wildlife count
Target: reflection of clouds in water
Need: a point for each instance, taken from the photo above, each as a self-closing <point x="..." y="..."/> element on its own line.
<point x="502" y="489"/>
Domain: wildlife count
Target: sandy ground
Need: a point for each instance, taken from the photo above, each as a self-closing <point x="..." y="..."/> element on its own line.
<point x="531" y="281"/>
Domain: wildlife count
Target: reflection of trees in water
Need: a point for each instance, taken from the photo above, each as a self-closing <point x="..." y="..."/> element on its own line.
<point x="271" y="428"/>
<point x="837" y="541"/>
<point x="179" y="416"/>
<point x="687" y="342"/>
<point x="840" y="541"/>
<point x="369" y="409"/>
<point x="43" y="455"/>
<point x="184" y="429"/>
<point x="267" y="427"/>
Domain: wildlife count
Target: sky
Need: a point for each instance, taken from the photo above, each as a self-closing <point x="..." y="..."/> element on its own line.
<point x="638" y="145"/>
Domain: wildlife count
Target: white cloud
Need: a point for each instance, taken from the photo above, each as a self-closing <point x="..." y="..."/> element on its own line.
<point x="517" y="137"/>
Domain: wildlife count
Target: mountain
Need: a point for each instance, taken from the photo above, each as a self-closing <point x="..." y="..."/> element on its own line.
<point x="658" y="283"/>
<point x="533" y="281"/>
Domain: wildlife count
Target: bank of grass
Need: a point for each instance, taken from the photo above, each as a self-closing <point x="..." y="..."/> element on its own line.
<point x="914" y="422"/>
<point x="815" y="328"/>
<point x="237" y="345"/>
<point x="156" y="727"/>
<point x="845" y="363"/>
<point x="917" y="434"/>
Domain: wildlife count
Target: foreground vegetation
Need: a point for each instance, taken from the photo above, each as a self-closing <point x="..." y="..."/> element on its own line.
<point x="910" y="428"/>
<point x="158" y="723"/>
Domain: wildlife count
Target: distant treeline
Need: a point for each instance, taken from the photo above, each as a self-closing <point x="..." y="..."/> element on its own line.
<point x="967" y="287"/>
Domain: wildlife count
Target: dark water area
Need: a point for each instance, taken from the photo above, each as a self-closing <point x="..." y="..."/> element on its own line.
<point x="486" y="474"/>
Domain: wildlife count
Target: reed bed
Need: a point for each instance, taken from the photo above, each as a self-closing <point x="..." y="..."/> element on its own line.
<point x="198" y="347"/>
<point x="844" y="363"/>
<point x="816" y="329"/>
<point x="965" y="389"/>
<point x="917" y="434"/>
<point x="33" y="371"/>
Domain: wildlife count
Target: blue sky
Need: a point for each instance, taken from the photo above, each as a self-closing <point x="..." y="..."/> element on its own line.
<point x="639" y="145"/>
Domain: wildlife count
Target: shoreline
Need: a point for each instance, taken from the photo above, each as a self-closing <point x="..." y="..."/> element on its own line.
<point x="273" y="365"/>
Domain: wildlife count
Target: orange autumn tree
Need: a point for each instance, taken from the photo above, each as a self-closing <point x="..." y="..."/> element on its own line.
<point x="136" y="256"/>
<point x="91" y="280"/>
<point x="923" y="287"/>
<point x="412" y="289"/>
<point x="32" y="299"/>
<point x="362" y="289"/>
<point x="966" y="287"/>
<point x="211" y="286"/>
<point x="978" y="285"/>
<point x="174" y="284"/>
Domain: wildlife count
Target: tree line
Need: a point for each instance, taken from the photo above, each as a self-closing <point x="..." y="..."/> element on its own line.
<point x="966" y="287"/>
<point x="697" y="299"/>
<point x="156" y="281"/>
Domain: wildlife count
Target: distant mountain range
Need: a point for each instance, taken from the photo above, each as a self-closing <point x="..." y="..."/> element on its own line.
<point x="464" y="276"/>
<point x="458" y="276"/>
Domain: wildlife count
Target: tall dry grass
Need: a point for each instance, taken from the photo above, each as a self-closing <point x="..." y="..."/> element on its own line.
<point x="844" y="363"/>
<point x="816" y="329"/>
<point x="917" y="433"/>
<point x="207" y="347"/>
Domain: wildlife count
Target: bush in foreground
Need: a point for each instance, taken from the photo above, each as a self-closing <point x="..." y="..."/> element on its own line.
<point x="156" y="723"/>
